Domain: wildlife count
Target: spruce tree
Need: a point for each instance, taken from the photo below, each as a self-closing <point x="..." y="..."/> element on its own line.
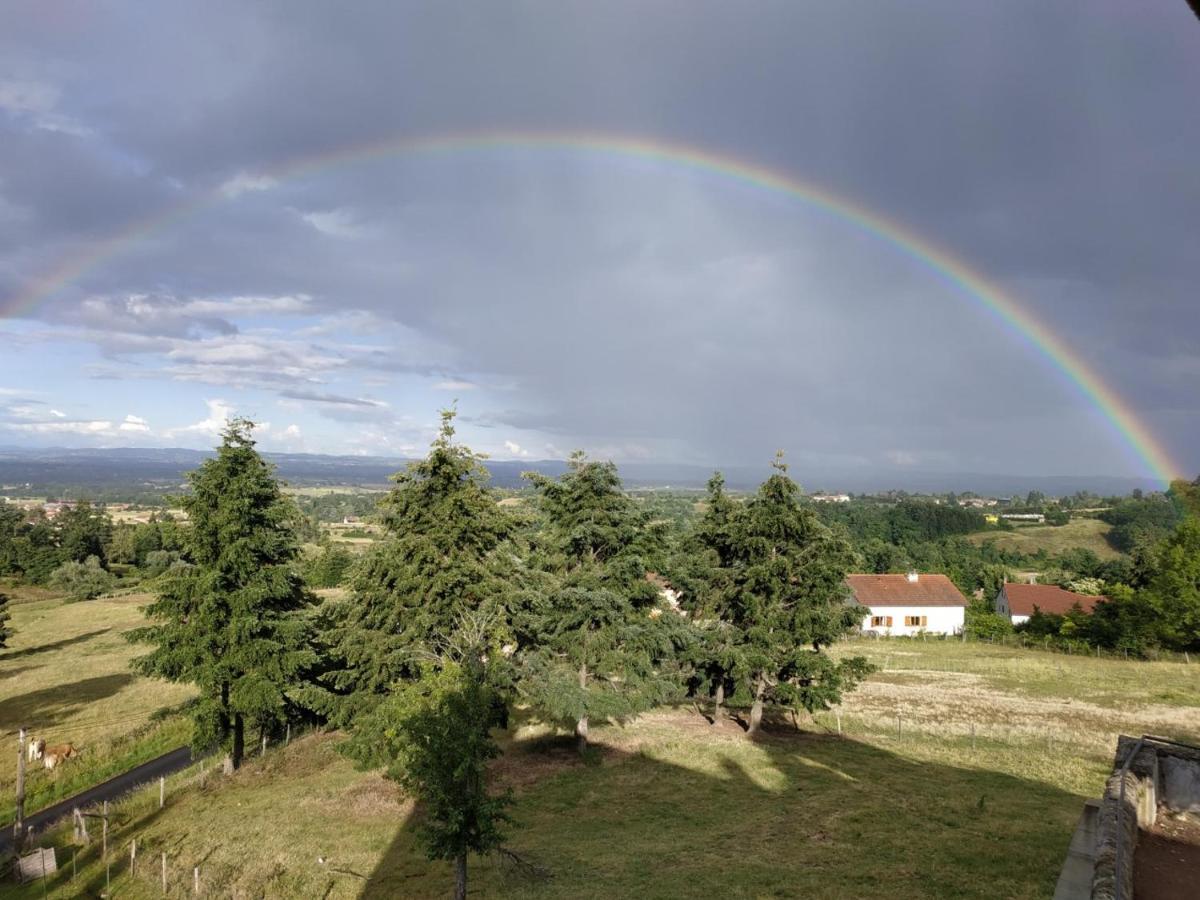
<point x="787" y="600"/>
<point x="5" y="616"/>
<point x="232" y="623"/>
<point x="443" y="556"/>
<point x="593" y="637"/>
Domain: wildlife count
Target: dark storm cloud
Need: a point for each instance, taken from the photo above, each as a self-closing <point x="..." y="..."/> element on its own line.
<point x="1051" y="145"/>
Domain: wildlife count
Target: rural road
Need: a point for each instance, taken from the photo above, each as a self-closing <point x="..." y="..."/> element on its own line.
<point x="167" y="764"/>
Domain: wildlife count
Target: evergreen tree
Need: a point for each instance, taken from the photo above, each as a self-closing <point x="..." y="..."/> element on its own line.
<point x="5" y="616"/>
<point x="787" y="601"/>
<point x="233" y="623"/>
<point x="442" y="557"/>
<point x="595" y="634"/>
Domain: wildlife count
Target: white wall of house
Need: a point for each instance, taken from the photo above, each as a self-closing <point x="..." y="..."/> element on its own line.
<point x="1002" y="608"/>
<point x="909" y="619"/>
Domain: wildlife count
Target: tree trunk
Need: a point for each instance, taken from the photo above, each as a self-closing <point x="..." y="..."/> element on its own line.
<point x="239" y="740"/>
<point x="581" y="726"/>
<point x="718" y="700"/>
<point x="460" y="877"/>
<point x="756" y="710"/>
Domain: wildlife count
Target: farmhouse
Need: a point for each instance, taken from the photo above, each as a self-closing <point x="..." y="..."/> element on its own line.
<point x="909" y="604"/>
<point x="1018" y="601"/>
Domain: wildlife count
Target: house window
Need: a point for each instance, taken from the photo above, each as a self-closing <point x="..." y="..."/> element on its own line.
<point x="916" y="621"/>
<point x="881" y="621"/>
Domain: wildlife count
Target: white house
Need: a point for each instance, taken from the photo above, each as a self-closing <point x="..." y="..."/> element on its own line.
<point x="909" y="604"/>
<point x="1019" y="601"/>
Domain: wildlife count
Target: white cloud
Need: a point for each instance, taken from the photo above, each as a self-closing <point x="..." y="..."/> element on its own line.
<point x="98" y="427"/>
<point x="244" y="182"/>
<point x="515" y="449"/>
<point x="136" y="424"/>
<point x="219" y="413"/>
<point x="455" y="385"/>
<point x="227" y="306"/>
<point x="37" y="102"/>
<point x="57" y="414"/>
<point x="339" y="223"/>
<point x="292" y="431"/>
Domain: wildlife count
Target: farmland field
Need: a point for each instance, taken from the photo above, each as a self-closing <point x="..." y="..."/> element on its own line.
<point x="65" y="676"/>
<point x="671" y="807"/>
<point x="1054" y="539"/>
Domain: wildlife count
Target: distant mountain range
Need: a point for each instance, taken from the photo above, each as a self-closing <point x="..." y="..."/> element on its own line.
<point x="60" y="467"/>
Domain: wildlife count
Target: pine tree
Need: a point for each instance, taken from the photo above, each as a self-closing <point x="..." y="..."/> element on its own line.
<point x="1174" y="590"/>
<point x="5" y="616"/>
<point x="786" y="601"/>
<point x="593" y="637"/>
<point x="443" y="557"/>
<point x="232" y="623"/>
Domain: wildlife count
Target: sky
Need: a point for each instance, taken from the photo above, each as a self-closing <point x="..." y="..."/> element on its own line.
<point x="566" y="298"/>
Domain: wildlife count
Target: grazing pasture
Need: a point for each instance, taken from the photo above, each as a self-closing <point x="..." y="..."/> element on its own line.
<point x="65" y="676"/>
<point x="1054" y="539"/>
<point x="670" y="806"/>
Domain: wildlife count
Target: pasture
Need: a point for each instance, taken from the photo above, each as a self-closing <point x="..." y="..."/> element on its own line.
<point x="65" y="676"/>
<point x="1054" y="539"/>
<point x="669" y="806"/>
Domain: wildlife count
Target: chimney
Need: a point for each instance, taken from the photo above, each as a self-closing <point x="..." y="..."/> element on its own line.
<point x="912" y="577"/>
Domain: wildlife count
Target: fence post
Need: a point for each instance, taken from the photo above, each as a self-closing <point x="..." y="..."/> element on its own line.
<point x="19" y="825"/>
<point x="287" y="739"/>
<point x="104" y="850"/>
<point x="133" y="857"/>
<point x="162" y="790"/>
<point x="196" y="881"/>
<point x="838" y="713"/>
<point x="164" y="871"/>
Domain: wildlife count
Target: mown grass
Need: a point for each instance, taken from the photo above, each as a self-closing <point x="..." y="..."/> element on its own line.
<point x="65" y="676"/>
<point x="674" y="807"/>
<point x="1054" y="539"/>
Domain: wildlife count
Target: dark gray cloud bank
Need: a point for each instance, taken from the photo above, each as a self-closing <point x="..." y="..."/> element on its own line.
<point x="576" y="299"/>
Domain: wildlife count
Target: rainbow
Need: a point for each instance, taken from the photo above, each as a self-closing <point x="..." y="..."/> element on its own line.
<point x="1120" y="417"/>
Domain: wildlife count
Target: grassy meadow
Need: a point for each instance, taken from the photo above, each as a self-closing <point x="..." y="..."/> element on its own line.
<point x="1054" y="539"/>
<point x="65" y="676"/>
<point x="669" y="806"/>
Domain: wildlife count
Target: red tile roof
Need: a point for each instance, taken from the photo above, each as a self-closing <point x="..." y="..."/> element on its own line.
<point x="897" y="590"/>
<point x="1049" y="598"/>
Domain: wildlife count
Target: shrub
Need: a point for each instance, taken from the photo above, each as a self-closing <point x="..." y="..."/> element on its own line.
<point x="82" y="580"/>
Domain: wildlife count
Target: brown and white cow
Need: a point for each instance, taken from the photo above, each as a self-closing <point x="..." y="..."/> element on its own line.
<point x="52" y="756"/>
<point x="35" y="749"/>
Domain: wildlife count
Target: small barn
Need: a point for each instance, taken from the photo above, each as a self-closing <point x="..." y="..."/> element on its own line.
<point x="1018" y="601"/>
<point x="909" y="604"/>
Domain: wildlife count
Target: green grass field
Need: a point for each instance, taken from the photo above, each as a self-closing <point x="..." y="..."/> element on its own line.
<point x="1086" y="533"/>
<point x="65" y="676"/>
<point x="673" y="807"/>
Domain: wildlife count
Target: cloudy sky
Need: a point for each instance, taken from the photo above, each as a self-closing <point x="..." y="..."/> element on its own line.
<point x="639" y="308"/>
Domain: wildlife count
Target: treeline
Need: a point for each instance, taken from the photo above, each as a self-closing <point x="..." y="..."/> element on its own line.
<point x="465" y="608"/>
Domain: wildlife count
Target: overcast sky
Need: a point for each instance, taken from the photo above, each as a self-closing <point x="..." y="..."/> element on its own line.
<point x="638" y="309"/>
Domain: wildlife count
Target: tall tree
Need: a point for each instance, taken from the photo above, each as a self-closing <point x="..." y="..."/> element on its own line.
<point x="442" y="557"/>
<point x="233" y="622"/>
<point x="787" y="601"/>
<point x="591" y="645"/>
<point x="5" y="616"/>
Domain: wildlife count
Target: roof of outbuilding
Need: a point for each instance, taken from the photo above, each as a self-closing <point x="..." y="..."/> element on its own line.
<point x="1049" y="598"/>
<point x="897" y="590"/>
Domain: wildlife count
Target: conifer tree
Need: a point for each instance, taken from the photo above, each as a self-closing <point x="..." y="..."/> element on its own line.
<point x="232" y="622"/>
<point x="5" y="616"/>
<point x="1174" y="590"/>
<point x="442" y="557"/>
<point x="592" y="638"/>
<point x="701" y="573"/>
<point x="786" y="601"/>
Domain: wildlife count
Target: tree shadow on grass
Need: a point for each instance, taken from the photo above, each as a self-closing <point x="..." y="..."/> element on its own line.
<point x="48" y="707"/>
<point x="693" y="812"/>
<point x="53" y="645"/>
